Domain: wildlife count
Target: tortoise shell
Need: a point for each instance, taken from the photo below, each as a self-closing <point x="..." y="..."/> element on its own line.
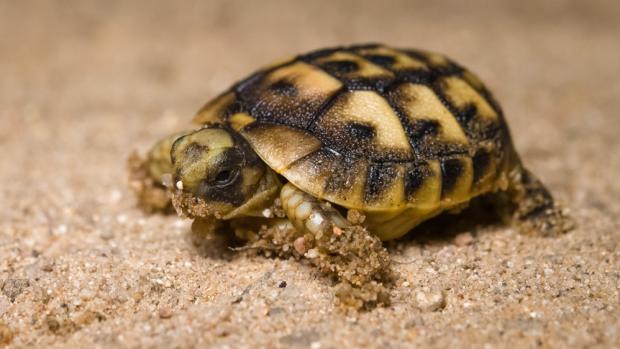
<point x="371" y="127"/>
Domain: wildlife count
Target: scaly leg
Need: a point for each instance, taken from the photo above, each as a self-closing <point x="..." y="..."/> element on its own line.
<point x="308" y="214"/>
<point x="535" y="210"/>
<point x="337" y="247"/>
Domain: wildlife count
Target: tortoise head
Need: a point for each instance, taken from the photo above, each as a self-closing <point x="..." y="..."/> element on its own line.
<point x="218" y="166"/>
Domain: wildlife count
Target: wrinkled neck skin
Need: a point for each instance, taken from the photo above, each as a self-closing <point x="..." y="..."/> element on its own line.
<point x="262" y="198"/>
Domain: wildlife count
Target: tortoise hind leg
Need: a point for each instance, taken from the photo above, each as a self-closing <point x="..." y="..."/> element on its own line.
<point x="534" y="209"/>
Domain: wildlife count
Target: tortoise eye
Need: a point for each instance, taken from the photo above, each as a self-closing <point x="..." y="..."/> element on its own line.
<point x="225" y="177"/>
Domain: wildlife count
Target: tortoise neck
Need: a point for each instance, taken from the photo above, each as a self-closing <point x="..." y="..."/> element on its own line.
<point x="263" y="198"/>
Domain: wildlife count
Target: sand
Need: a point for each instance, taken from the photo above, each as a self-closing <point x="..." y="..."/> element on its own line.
<point x="85" y="83"/>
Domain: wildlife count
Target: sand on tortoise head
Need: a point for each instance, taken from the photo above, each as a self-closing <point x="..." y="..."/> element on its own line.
<point x="86" y="83"/>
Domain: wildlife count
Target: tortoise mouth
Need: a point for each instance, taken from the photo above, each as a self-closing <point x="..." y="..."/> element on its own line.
<point x="188" y="205"/>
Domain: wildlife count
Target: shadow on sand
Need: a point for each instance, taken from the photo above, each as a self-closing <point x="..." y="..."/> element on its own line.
<point x="441" y="230"/>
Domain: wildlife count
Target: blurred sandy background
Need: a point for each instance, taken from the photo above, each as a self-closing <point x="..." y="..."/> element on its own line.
<point x="83" y="83"/>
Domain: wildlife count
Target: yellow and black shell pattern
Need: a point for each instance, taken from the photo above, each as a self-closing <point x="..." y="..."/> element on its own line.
<point x="371" y="127"/>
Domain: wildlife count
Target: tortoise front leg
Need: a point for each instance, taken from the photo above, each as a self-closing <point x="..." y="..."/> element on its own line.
<point x="350" y="252"/>
<point x="308" y="214"/>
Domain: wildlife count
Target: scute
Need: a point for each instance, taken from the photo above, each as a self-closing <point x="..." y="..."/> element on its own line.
<point x="346" y="65"/>
<point x="291" y="95"/>
<point x="348" y="182"/>
<point x="392" y="59"/>
<point x="456" y="179"/>
<point x="371" y="127"/>
<point x="462" y="95"/>
<point x="312" y="172"/>
<point x="485" y="167"/>
<point x="385" y="186"/>
<point x="423" y="184"/>
<point x="363" y="124"/>
<point x="432" y="128"/>
<point x="268" y="142"/>
<point x="217" y="109"/>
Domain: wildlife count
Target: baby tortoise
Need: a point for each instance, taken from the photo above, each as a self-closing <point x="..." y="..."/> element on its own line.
<point x="397" y="135"/>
